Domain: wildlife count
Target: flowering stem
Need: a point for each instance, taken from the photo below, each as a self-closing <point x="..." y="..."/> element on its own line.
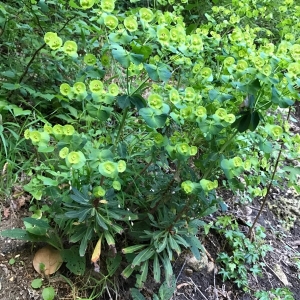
<point x="121" y="126"/>
<point x="221" y="151"/>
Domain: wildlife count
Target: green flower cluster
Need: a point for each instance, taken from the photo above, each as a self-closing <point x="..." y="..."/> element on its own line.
<point x="55" y="43"/>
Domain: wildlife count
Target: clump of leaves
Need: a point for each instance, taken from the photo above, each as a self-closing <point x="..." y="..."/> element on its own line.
<point x="242" y="255"/>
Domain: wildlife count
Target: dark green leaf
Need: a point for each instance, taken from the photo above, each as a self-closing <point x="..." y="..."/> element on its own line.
<point x="166" y="290"/>
<point x="136" y="294"/>
<point x="152" y="71"/>
<point x="138" y="101"/>
<point x="151" y="119"/>
<point x="156" y="268"/>
<point x="136" y="58"/>
<point x="101" y="221"/>
<point x="254" y="121"/>
<point x="80" y="214"/>
<point x="37" y="222"/>
<point x="141" y="279"/>
<point x="74" y="262"/>
<point x="122" y="56"/>
<point x="163" y="72"/>
<point x="123" y="101"/>
<point x="87" y="237"/>
<point x="142" y="256"/>
<point x="79" y="197"/>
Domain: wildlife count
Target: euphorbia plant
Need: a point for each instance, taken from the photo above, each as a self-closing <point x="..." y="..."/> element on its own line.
<point x="159" y="118"/>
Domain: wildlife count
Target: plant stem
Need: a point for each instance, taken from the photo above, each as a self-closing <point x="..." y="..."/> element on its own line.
<point x="250" y="234"/>
<point x="121" y="126"/>
<point x="179" y="215"/>
<point x="221" y="151"/>
<point x="143" y="170"/>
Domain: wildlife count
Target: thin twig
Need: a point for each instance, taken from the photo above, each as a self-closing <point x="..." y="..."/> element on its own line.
<point x="215" y="289"/>
<point x="181" y="270"/>
<point x="198" y="289"/>
<point x="250" y="235"/>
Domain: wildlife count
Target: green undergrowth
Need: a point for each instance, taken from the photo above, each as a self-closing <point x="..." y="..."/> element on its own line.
<point x="133" y="116"/>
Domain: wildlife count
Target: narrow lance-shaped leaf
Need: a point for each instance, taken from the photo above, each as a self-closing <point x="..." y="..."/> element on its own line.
<point x="37" y="222"/>
<point x="162" y="244"/>
<point x="109" y="239"/>
<point x="85" y="240"/>
<point x="144" y="272"/>
<point x="132" y="249"/>
<point x="156" y="268"/>
<point x="80" y="214"/>
<point x="127" y="272"/>
<point x="136" y="294"/>
<point x="97" y="251"/>
<point x="79" y="197"/>
<point x="101" y="221"/>
<point x="142" y="256"/>
<point x="167" y="290"/>
<point x="168" y="267"/>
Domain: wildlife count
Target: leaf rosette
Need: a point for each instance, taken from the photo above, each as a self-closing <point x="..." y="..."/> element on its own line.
<point x="48" y="128"/>
<point x="50" y="36"/>
<point x="201" y="112"/>
<point x="220" y="114"/>
<point x="155" y="101"/>
<point x="187" y="186"/>
<point x="229" y="118"/>
<point x="55" y="43"/>
<point x="295" y="52"/>
<point x="206" y="74"/>
<point x="58" y="130"/>
<point x="190" y="94"/>
<point x="237" y="162"/>
<point x="113" y="89"/>
<point x="163" y="35"/>
<point x="116" y="185"/>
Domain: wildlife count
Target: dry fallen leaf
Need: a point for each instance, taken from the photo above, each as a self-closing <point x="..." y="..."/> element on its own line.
<point x="6" y="212"/>
<point x="49" y="258"/>
<point x="97" y="251"/>
<point x="280" y="274"/>
<point x="19" y="202"/>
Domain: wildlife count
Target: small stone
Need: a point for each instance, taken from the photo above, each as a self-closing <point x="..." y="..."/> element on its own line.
<point x="210" y="267"/>
<point x="188" y="272"/>
<point x="194" y="263"/>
